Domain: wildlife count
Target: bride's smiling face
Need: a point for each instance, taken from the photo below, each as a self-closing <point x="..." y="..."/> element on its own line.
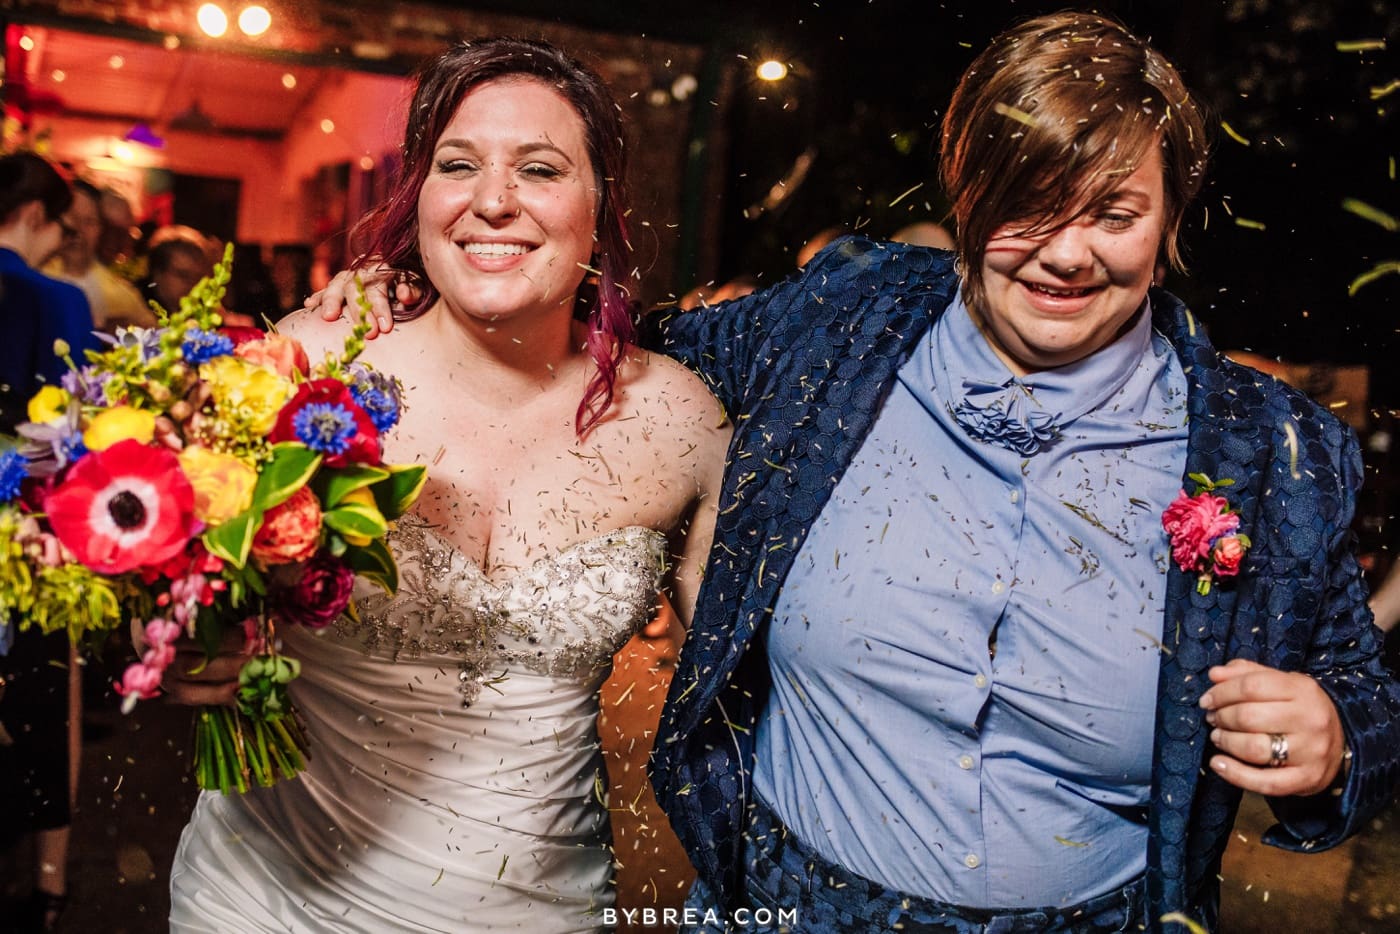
<point x="506" y="215"/>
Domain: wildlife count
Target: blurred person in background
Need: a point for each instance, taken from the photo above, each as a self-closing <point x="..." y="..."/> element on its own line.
<point x="291" y="277"/>
<point x="113" y="301"/>
<point x="177" y="258"/>
<point x="39" y="706"/>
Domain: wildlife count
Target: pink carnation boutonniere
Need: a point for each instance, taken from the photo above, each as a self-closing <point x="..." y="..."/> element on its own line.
<point x="1203" y="531"/>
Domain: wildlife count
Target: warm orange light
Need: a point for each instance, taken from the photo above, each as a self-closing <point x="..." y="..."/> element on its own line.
<point x="289" y="81"/>
<point x="115" y="62"/>
<point x="26" y="43"/>
<point x="212" y="19"/>
<point x="327" y="126"/>
<point x="772" y="70"/>
<point x="59" y="76"/>
<point x="254" y="20"/>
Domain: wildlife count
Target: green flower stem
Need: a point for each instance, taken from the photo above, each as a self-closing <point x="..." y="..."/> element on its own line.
<point x="234" y="752"/>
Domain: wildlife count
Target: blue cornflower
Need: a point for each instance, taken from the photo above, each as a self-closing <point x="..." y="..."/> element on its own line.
<point x="70" y="449"/>
<point x="377" y="394"/>
<point x="14" y="468"/>
<point x="380" y="406"/>
<point x="203" y="346"/>
<point x="324" y="426"/>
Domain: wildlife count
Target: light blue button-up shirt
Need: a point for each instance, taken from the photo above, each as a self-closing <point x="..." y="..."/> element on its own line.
<point x="977" y="726"/>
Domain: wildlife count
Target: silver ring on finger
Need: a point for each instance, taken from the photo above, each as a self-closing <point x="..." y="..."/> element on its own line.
<point x="1278" y="750"/>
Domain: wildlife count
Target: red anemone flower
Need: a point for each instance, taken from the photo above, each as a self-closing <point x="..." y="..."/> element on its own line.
<point x="124" y="508"/>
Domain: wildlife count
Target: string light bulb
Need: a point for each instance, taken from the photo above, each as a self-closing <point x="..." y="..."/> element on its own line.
<point x="772" y="70"/>
<point x="254" y="20"/>
<point x="212" y="19"/>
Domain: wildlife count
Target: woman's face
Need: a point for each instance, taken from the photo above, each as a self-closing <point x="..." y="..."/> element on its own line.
<point x="1057" y="297"/>
<point x="507" y="212"/>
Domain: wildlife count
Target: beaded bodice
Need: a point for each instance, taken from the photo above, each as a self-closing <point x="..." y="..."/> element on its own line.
<point x="563" y="616"/>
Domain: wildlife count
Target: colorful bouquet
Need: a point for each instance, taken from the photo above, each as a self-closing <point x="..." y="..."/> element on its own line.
<point x="198" y="480"/>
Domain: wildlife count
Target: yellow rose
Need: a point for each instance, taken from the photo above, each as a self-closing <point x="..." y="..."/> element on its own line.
<point x="119" y="423"/>
<point x="247" y="397"/>
<point x="364" y="497"/>
<point x="48" y="405"/>
<point x="223" y="484"/>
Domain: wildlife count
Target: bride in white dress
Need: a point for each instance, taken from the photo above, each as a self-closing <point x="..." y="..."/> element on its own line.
<point x="455" y="781"/>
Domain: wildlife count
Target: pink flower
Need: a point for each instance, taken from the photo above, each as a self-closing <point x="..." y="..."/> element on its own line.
<point x="1225" y="557"/>
<point x="277" y="352"/>
<point x="162" y="632"/>
<point x="139" y="682"/>
<point x="1193" y="523"/>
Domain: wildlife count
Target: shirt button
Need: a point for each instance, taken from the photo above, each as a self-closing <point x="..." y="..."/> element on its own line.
<point x="998" y="587"/>
<point x="972" y="861"/>
<point x="980" y="681"/>
<point x="965" y="762"/>
<point x="1015" y="496"/>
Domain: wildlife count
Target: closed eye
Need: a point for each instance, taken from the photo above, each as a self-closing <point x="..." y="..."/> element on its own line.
<point x="454" y="166"/>
<point x="540" y="171"/>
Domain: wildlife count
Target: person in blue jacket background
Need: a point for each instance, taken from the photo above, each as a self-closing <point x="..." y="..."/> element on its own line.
<point x="39" y="702"/>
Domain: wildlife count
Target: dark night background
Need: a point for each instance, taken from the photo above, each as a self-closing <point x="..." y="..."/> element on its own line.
<point x="870" y="79"/>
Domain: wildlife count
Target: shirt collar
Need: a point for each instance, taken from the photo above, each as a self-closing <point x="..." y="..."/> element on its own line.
<point x="963" y="355"/>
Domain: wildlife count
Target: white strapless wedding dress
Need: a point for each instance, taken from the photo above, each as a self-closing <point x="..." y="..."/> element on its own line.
<point x="455" y="781"/>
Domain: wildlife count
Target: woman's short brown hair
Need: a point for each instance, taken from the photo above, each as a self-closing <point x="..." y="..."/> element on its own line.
<point x="1050" y="117"/>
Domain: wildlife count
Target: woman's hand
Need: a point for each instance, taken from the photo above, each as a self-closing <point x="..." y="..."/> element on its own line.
<point x="189" y="680"/>
<point x="340" y="297"/>
<point x="1277" y="732"/>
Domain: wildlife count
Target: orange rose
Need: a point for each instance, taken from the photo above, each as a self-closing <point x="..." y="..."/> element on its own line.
<point x="278" y="353"/>
<point x="290" y="532"/>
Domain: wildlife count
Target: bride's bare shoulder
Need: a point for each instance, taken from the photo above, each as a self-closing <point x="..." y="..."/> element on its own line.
<point x="320" y="337"/>
<point x="315" y="334"/>
<point x="655" y="383"/>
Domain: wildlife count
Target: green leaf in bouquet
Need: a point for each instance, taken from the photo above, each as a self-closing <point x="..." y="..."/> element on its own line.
<point x="335" y="484"/>
<point x="397" y="494"/>
<point x="209" y="628"/>
<point x="243" y="581"/>
<point x="355" y="521"/>
<point x="375" y="563"/>
<point x="291" y="467"/>
<point x="232" y="540"/>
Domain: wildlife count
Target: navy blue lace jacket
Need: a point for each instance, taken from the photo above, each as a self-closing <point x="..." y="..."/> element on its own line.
<point x="804" y="367"/>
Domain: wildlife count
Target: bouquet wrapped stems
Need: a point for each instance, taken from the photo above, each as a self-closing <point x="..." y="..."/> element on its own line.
<point x="260" y="740"/>
<point x="234" y="752"/>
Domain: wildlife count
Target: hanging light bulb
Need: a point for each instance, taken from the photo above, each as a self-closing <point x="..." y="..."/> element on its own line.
<point x="254" y="20"/>
<point x="772" y="70"/>
<point x="212" y="19"/>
